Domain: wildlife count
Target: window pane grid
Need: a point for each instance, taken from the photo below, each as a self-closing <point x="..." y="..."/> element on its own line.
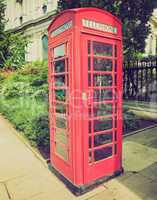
<point x="60" y="85"/>
<point x="103" y="84"/>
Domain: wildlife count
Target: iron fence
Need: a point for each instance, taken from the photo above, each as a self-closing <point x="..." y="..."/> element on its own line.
<point x="140" y="80"/>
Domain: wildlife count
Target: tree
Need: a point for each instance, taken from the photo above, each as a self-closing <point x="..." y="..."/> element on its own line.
<point x="16" y="51"/>
<point x="133" y="14"/>
<point x="3" y="35"/>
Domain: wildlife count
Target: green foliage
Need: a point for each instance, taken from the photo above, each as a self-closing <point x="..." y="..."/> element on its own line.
<point x="24" y="101"/>
<point x="17" y="51"/>
<point x="133" y="14"/>
<point x="38" y="132"/>
<point x="3" y="35"/>
<point x="12" y="46"/>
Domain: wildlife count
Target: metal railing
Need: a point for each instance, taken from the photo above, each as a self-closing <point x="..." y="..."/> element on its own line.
<point x="140" y="80"/>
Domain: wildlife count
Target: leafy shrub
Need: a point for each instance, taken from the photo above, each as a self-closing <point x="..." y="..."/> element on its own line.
<point x="17" y="51"/>
<point x="24" y="101"/>
<point x="38" y="131"/>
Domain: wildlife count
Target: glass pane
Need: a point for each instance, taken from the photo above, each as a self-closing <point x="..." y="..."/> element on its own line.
<point x="59" y="51"/>
<point x="59" y="66"/>
<point x="62" y="151"/>
<point x="115" y="65"/>
<point x="60" y="108"/>
<point x="102" y="95"/>
<point x="90" y="111"/>
<point x="101" y="64"/>
<point x="102" y="139"/>
<point x="90" y="156"/>
<point x="102" y="109"/>
<point x="89" y="44"/>
<point x="90" y="142"/>
<point x="103" y="153"/>
<point x="60" y="80"/>
<point x="115" y="149"/>
<point x="89" y="126"/>
<point x="101" y="49"/>
<point x="89" y="79"/>
<point x="115" y="135"/>
<point x="115" y="51"/>
<point x="89" y="64"/>
<point x="60" y="95"/>
<point x="102" y="80"/>
<point x="115" y="81"/>
<point x="102" y="124"/>
<point x="61" y="122"/>
<point x="60" y="136"/>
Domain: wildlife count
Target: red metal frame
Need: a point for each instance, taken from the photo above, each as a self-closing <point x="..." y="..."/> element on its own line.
<point x="68" y="29"/>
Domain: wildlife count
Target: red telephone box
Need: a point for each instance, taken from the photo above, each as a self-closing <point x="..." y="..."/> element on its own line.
<point x="85" y="95"/>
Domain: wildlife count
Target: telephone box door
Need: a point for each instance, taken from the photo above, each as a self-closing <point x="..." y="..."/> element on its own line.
<point x="59" y="75"/>
<point x="102" y="136"/>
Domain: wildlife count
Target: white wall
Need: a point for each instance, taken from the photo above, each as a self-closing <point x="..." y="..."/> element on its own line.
<point x="151" y="41"/>
<point x="29" y="10"/>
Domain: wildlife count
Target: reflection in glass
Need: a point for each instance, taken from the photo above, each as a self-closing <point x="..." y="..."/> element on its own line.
<point x="61" y="122"/>
<point x="101" y="49"/>
<point x="103" y="153"/>
<point x="89" y="126"/>
<point x="102" y="80"/>
<point x="59" y="51"/>
<point x="59" y="66"/>
<point x="90" y="156"/>
<point x="60" y="108"/>
<point x="102" y="124"/>
<point x="89" y="79"/>
<point x="89" y="63"/>
<point x="115" y="65"/>
<point x="62" y="151"/>
<point x="60" y="80"/>
<point x="102" y="139"/>
<point x="115" y="149"/>
<point x="61" y="137"/>
<point x="89" y="44"/>
<point x="102" y="95"/>
<point x="60" y="95"/>
<point x="115" y="135"/>
<point x="102" y="110"/>
<point x="101" y="64"/>
<point x="115" y="54"/>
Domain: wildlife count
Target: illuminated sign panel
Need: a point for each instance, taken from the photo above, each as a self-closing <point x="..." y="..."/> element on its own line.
<point x="61" y="29"/>
<point x="99" y="26"/>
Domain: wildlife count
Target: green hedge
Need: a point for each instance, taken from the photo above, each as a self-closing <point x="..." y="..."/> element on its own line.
<point x="24" y="101"/>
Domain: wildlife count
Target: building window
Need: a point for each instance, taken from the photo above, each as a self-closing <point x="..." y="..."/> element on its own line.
<point x="44" y="8"/>
<point x="19" y="1"/>
<point x="45" y="47"/>
<point x="21" y="20"/>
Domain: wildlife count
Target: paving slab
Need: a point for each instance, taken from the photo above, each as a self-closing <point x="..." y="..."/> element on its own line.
<point x="3" y="192"/>
<point x="24" y="177"/>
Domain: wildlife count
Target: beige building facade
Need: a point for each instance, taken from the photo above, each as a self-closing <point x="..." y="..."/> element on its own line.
<point x="32" y="17"/>
<point x="151" y="41"/>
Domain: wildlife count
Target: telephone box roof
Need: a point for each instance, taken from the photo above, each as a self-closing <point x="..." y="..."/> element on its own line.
<point x="86" y="9"/>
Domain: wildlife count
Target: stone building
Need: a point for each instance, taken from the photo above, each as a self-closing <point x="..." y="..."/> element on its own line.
<point x="151" y="41"/>
<point x="32" y="17"/>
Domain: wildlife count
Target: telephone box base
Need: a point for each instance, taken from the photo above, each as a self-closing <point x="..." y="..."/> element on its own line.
<point x="80" y="190"/>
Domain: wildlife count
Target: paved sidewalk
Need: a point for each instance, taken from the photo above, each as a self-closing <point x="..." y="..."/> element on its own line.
<point x="24" y="177"/>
